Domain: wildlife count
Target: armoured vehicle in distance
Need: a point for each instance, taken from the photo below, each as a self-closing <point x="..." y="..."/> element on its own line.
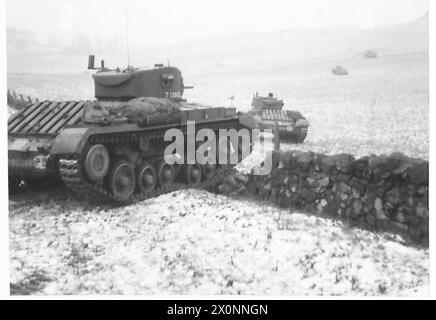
<point x="339" y="71"/>
<point x="292" y="126"/>
<point x="112" y="148"/>
<point x="369" y="54"/>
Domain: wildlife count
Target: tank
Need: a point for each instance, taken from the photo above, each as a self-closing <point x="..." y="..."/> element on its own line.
<point x="370" y="54"/>
<point x="292" y="126"/>
<point x="339" y="71"/>
<point x="112" y="148"/>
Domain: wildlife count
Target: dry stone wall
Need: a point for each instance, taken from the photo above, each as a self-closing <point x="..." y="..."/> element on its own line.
<point x="382" y="193"/>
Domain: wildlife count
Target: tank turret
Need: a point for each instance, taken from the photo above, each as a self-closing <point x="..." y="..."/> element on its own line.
<point x="123" y="85"/>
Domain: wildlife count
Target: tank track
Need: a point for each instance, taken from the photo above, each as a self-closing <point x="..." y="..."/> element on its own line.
<point x="302" y="135"/>
<point x="298" y="136"/>
<point x="74" y="179"/>
<point x="73" y="176"/>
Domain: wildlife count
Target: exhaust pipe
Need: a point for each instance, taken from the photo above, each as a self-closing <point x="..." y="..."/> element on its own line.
<point x="91" y="59"/>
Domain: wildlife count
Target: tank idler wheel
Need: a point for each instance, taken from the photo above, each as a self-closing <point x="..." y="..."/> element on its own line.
<point x="146" y="177"/>
<point x="96" y="162"/>
<point x="166" y="174"/>
<point x="122" y="180"/>
<point x="193" y="173"/>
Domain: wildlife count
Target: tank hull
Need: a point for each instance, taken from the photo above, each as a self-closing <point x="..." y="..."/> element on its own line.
<point x="53" y="140"/>
<point x="291" y="125"/>
<point x="339" y="71"/>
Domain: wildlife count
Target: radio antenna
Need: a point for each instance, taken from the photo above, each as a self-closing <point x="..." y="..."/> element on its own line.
<point x="127" y="33"/>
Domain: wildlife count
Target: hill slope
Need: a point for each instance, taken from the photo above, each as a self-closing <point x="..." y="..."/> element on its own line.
<point x="29" y="53"/>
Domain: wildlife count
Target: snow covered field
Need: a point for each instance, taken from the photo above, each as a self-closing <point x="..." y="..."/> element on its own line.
<point x="194" y="242"/>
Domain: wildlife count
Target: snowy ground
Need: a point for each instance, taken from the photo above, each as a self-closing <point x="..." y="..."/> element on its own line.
<point x="194" y="242"/>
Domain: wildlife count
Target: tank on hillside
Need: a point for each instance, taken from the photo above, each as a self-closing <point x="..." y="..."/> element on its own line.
<point x="292" y="126"/>
<point x="370" y="54"/>
<point x="113" y="148"/>
<point x="340" y="71"/>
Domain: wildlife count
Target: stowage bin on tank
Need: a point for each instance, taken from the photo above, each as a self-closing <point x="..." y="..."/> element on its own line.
<point x="113" y="148"/>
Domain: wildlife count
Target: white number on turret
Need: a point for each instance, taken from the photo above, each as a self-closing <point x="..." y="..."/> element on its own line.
<point x="173" y="95"/>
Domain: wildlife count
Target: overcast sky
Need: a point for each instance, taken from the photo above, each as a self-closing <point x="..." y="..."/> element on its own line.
<point x="179" y="20"/>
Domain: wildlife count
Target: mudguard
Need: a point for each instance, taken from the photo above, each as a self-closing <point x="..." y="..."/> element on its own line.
<point x="302" y="123"/>
<point x="70" y="140"/>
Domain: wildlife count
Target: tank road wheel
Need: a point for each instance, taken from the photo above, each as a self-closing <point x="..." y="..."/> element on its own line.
<point x="193" y="174"/>
<point x="146" y="177"/>
<point x="122" y="180"/>
<point x="96" y="162"/>
<point x="165" y="174"/>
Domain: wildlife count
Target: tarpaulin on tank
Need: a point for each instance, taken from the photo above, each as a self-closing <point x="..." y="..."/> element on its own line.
<point x="143" y="111"/>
